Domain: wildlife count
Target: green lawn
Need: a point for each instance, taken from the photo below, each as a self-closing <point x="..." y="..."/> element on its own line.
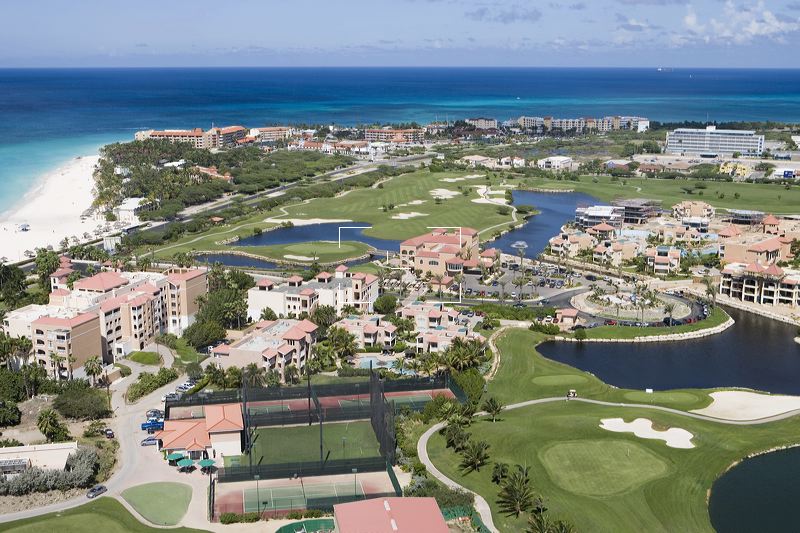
<point x="716" y="317"/>
<point x="759" y="196"/>
<point x="597" y="479"/>
<point x="343" y="440"/>
<point x="162" y="504"/>
<point x="305" y="252"/>
<point x="104" y="515"/>
<point x="145" y="358"/>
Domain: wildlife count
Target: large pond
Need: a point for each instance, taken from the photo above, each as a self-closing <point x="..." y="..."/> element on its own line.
<point x="328" y="231"/>
<point x="555" y="209"/>
<point x="756" y="353"/>
<point x="758" y="494"/>
<point x="234" y="260"/>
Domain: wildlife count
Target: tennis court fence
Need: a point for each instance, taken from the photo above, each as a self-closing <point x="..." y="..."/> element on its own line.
<point x="331" y="467"/>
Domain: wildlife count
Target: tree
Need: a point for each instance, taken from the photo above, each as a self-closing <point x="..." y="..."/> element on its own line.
<point x="493" y="407"/>
<point x="12" y="284"/>
<point x="201" y="334"/>
<point x="268" y="314"/>
<point x="499" y="472"/>
<point x="32" y="377"/>
<point x="669" y="308"/>
<point x="254" y="375"/>
<point x="57" y="360"/>
<point x="51" y="427"/>
<point x="233" y="377"/>
<point x="342" y="341"/>
<point x="47" y="262"/>
<point x="93" y="368"/>
<point x="516" y="494"/>
<point x="385" y="304"/>
<point x="542" y="523"/>
<point x="455" y="436"/>
<point x="324" y="316"/>
<point x="291" y="374"/>
<point x="580" y="335"/>
<point x="438" y="278"/>
<point x="711" y="289"/>
<point x="474" y="456"/>
<point x="194" y="370"/>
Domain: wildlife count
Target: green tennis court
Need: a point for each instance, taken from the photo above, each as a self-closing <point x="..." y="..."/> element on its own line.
<point x="267" y="409"/>
<point x="344" y="440"/>
<point x="301" y="496"/>
<point x="399" y="401"/>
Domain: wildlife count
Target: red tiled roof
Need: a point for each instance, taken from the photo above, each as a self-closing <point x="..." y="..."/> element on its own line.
<point x="390" y="515"/>
<point x="104" y="281"/>
<point x="177" y="277"/>
<point x="264" y="282"/>
<point x="224" y="417"/>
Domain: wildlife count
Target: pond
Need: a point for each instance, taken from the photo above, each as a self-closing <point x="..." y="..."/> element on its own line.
<point x="239" y="261"/>
<point x="756" y="353"/>
<point x="556" y="209"/>
<point x="328" y="231"/>
<point x="758" y="494"/>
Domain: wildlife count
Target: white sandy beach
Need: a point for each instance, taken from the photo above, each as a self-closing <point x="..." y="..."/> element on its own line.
<point x="52" y="210"/>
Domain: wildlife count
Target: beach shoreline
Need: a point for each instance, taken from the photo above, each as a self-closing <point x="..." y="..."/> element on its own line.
<point x="52" y="210"/>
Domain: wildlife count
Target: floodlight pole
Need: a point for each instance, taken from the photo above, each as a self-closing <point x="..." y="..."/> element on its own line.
<point x="258" y="493"/>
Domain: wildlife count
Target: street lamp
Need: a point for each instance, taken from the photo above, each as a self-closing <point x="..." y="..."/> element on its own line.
<point x="258" y="493"/>
<point x="355" y="482"/>
<point x="344" y="453"/>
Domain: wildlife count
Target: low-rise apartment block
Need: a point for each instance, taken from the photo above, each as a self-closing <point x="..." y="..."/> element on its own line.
<point x="711" y="141"/>
<point x="271" y="344"/>
<point x="638" y="210"/>
<point x="271" y="133"/>
<point x="761" y="284"/>
<point x="397" y="136"/>
<point x="437" y="326"/>
<point x="570" y="243"/>
<point x="295" y="296"/>
<point x="663" y="260"/>
<point x="755" y="248"/>
<point x="440" y="252"/>
<point x="586" y="217"/>
<point x="197" y="137"/>
<point x="482" y="123"/>
<point x="370" y="331"/>
<point x="555" y="162"/>
<point x="615" y="253"/>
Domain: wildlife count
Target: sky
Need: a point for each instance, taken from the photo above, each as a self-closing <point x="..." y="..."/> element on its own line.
<point x="574" y="33"/>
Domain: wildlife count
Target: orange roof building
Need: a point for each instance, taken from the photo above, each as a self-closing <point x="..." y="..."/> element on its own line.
<point x="390" y="515"/>
<point x="218" y="434"/>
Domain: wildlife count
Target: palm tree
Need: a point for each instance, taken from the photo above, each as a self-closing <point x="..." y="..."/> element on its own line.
<point x="399" y="365"/>
<point x="711" y="290"/>
<point x="48" y="423"/>
<point x="32" y="377"/>
<point x="669" y="308"/>
<point x="474" y="456"/>
<point x="6" y="349"/>
<point x="291" y="374"/>
<point x="542" y="523"/>
<point x="93" y="368"/>
<point x="56" y="361"/>
<point x="455" y="437"/>
<point x="402" y="288"/>
<point x="499" y="472"/>
<point x="70" y="359"/>
<point x="502" y="296"/>
<point x="516" y="495"/>
<point x="254" y="375"/>
<point x="493" y="407"/>
<point x="438" y="279"/>
<point x="342" y="341"/>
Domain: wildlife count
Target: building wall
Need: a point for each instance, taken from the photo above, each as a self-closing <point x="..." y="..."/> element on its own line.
<point x="226" y="444"/>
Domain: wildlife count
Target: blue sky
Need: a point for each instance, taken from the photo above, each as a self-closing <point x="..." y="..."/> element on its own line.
<point x="677" y="33"/>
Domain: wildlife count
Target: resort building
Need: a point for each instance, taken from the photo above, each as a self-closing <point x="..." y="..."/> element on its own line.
<point x="370" y="331"/>
<point x="440" y="252"/>
<point x="569" y="243"/>
<point x="271" y="133"/>
<point x="638" y="210"/>
<point x="128" y="211"/>
<point x="663" y="260"/>
<point x="745" y="217"/>
<point x="109" y="315"/>
<point x="271" y="344"/>
<point x="218" y="433"/>
<point x="437" y="326"/>
<point x="614" y="253"/>
<point x="556" y="162"/>
<point x="713" y="142"/>
<point x="586" y="217"/>
<point x="475" y="161"/>
<point x="755" y="248"/>
<point x="578" y="125"/>
<point x="16" y="459"/>
<point x="295" y="296"/>
<point x="691" y="208"/>
<point x="682" y="234"/>
<point x="757" y="283"/>
<point x="511" y="162"/>
<point x="389" y="515"/>
<point x="197" y="137"/>
<point x="397" y="136"/>
<point x="482" y="123"/>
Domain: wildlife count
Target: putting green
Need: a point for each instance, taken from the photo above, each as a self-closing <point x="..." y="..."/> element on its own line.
<point x="560" y="379"/>
<point x="601" y="468"/>
<point x="665" y="397"/>
<point x="163" y="504"/>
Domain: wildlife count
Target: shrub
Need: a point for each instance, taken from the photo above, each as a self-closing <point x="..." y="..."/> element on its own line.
<point x="471" y="382"/>
<point x="236" y="518"/>
<point x="547" y="329"/>
<point x="445" y="496"/>
<point x="148" y="382"/>
<point x="124" y="370"/>
<point x="82" y="404"/>
<point x="9" y="414"/>
<point x="8" y="443"/>
<point x="80" y="471"/>
<point x="95" y="429"/>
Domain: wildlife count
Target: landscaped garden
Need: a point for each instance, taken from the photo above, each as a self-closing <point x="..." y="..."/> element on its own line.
<point x="145" y="358"/>
<point x="594" y="478"/>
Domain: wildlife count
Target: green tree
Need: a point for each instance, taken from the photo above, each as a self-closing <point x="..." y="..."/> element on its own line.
<point x="46" y="262"/>
<point x="268" y="314"/>
<point x="474" y="456"/>
<point x="499" y="472"/>
<point x="291" y="374"/>
<point x="51" y="427"/>
<point x="385" y="304"/>
<point x="324" y="316"/>
<point x="93" y="368"/>
<point x="516" y="494"/>
<point x="194" y="370"/>
<point x="254" y="375"/>
<point x="492" y="407"/>
<point x="580" y="334"/>
<point x="202" y="334"/>
<point x="342" y="341"/>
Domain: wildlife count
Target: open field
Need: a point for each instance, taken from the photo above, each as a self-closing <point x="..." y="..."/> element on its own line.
<point x="105" y="514"/>
<point x="277" y="445"/>
<point x="597" y="479"/>
<point x="305" y="252"/>
<point x="163" y="504"/>
<point x="771" y="198"/>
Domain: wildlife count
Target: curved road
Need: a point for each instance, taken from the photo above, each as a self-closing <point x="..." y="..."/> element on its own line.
<point x="482" y="506"/>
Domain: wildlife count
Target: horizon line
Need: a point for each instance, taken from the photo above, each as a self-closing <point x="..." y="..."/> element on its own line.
<point x="366" y="67"/>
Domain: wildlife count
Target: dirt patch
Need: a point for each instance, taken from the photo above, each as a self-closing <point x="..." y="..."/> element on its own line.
<point x="13" y="504"/>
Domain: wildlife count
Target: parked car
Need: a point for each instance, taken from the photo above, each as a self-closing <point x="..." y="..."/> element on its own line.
<point x="154" y="413"/>
<point x="150" y="441"/>
<point x="169" y="397"/>
<point x="96" y="491"/>
<point x="109" y="433"/>
<point x="153" y="425"/>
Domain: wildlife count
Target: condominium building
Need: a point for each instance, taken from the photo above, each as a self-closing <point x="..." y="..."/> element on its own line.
<point x="482" y="123"/>
<point x="212" y="138"/>
<point x="437" y="326"/>
<point x="711" y="141"/>
<point x="398" y="136"/>
<point x="761" y="284"/>
<point x="556" y="162"/>
<point x="271" y="133"/>
<point x="616" y="252"/>
<point x="638" y="210"/>
<point x="295" y="296"/>
<point x="605" y="124"/>
<point x="271" y="344"/>
<point x="370" y="330"/>
<point x="754" y="248"/>
<point x="109" y="314"/>
<point x="663" y="260"/>
<point x="691" y="208"/>
<point x="476" y="161"/>
<point x="586" y="217"/>
<point x="569" y="243"/>
<point x="440" y="252"/>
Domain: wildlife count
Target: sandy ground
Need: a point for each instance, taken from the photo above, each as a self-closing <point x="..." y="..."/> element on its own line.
<point x="412" y="202"/>
<point x="298" y="257"/>
<point x="52" y="210"/>
<point x="744" y="405"/>
<point x="484" y="192"/>
<point x="305" y="221"/>
<point x="406" y="216"/>
<point x="643" y="428"/>
<point x="445" y="194"/>
<point x="469" y="177"/>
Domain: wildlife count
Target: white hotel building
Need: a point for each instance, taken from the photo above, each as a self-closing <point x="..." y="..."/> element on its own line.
<point x="711" y="141"/>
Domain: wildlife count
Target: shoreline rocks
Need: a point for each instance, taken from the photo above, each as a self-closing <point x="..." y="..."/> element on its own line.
<point x="670" y="337"/>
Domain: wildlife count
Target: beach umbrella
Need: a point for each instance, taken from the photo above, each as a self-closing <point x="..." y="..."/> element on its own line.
<point x="175" y="456"/>
<point x="205" y="463"/>
<point x="185" y="463"/>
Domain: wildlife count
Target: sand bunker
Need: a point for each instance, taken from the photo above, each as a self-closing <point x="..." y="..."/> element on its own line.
<point x="298" y="257"/>
<point x="744" y="405"/>
<point x="305" y="221"/>
<point x="643" y="428"/>
<point x="445" y="194"/>
<point x="470" y="177"/>
<point x="406" y="216"/>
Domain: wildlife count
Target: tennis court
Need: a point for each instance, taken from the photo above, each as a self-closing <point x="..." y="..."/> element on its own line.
<point x="291" y="444"/>
<point x="415" y="400"/>
<point x="303" y="496"/>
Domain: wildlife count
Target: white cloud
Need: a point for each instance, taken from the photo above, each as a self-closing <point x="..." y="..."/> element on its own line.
<point x="739" y="24"/>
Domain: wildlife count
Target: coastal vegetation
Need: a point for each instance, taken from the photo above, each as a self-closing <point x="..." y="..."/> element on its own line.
<point x="596" y="479"/>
